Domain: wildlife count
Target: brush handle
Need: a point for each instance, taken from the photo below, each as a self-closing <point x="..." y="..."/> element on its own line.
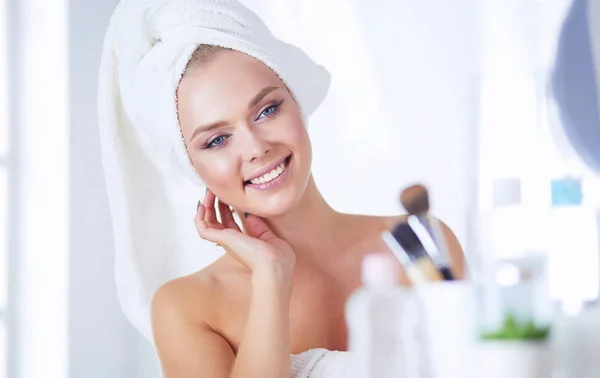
<point x="429" y="270"/>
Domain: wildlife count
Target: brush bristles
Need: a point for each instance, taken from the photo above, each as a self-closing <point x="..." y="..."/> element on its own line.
<point x="415" y="199"/>
<point x="406" y="237"/>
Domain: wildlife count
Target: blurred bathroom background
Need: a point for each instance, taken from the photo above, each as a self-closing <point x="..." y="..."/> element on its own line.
<point x="451" y="94"/>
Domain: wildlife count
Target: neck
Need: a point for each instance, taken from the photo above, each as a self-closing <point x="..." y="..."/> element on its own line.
<point x="310" y="228"/>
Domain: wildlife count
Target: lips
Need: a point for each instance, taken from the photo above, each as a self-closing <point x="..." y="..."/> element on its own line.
<point x="270" y="173"/>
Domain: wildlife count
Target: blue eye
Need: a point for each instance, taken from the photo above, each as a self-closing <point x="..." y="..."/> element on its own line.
<point x="270" y="110"/>
<point x="216" y="142"/>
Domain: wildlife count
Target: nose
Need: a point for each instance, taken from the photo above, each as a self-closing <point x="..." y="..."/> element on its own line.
<point x="254" y="146"/>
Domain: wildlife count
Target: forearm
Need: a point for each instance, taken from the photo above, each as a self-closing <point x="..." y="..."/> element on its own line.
<point x="264" y="351"/>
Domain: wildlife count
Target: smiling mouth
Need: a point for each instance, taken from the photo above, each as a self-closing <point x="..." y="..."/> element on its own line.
<point x="271" y="175"/>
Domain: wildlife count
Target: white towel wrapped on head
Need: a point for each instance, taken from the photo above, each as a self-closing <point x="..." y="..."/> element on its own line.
<point x="151" y="184"/>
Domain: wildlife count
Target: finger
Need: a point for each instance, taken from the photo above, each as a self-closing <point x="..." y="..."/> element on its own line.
<point x="232" y="240"/>
<point x="257" y="228"/>
<point x="209" y="203"/>
<point x="227" y="216"/>
<point x="205" y="230"/>
<point x="200" y="212"/>
<point x="199" y="218"/>
<point x="227" y="238"/>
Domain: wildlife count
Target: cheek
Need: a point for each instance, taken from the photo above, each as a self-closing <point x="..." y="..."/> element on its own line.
<point x="294" y="133"/>
<point x="301" y="139"/>
<point x="217" y="173"/>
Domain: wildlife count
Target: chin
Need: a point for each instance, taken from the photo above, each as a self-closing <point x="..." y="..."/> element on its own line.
<point x="275" y="206"/>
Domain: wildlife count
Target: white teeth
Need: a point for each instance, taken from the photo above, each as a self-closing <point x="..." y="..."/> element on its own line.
<point x="270" y="175"/>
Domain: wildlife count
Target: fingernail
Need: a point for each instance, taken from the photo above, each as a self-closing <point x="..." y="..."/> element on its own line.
<point x="198" y="206"/>
<point x="245" y="215"/>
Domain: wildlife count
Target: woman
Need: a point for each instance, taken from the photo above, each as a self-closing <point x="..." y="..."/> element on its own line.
<point x="283" y="283"/>
<point x="174" y="107"/>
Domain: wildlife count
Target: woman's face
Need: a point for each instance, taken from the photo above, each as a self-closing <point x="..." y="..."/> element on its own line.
<point x="244" y="133"/>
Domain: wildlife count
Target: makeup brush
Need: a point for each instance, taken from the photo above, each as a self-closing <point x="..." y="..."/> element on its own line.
<point x="415" y="200"/>
<point x="415" y="275"/>
<point x="405" y="243"/>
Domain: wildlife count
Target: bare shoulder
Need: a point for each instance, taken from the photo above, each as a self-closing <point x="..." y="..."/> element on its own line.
<point x="173" y="299"/>
<point x="183" y="313"/>
<point x="379" y="223"/>
<point x="193" y="298"/>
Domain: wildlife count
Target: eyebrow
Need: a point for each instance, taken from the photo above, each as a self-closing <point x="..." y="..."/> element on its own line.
<point x="258" y="98"/>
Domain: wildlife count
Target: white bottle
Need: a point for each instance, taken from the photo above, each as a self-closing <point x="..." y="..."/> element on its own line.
<point x="576" y="340"/>
<point x="375" y="319"/>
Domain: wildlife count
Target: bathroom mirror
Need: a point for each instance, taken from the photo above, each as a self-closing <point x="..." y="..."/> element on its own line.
<point x="575" y="80"/>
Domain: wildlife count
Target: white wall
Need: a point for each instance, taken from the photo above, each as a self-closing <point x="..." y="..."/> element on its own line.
<point x="102" y="343"/>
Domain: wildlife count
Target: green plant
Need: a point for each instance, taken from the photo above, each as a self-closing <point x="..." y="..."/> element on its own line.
<point x="512" y="329"/>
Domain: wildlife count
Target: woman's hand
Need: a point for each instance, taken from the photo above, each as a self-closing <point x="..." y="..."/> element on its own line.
<point x="257" y="249"/>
